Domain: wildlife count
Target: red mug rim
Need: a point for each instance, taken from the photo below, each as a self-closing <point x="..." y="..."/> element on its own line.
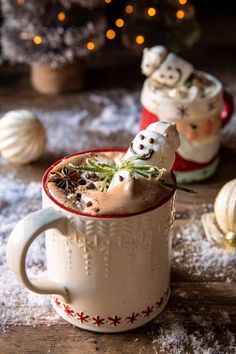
<point x="45" y="176"/>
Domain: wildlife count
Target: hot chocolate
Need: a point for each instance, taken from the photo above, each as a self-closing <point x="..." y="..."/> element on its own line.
<point x="116" y="183"/>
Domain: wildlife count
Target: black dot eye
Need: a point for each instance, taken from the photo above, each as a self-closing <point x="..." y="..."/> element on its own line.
<point x="151" y="140"/>
<point x="193" y="126"/>
<point x="141" y="136"/>
<point x="170" y="76"/>
<point x="141" y="146"/>
<point x="162" y="75"/>
<point x="169" y="68"/>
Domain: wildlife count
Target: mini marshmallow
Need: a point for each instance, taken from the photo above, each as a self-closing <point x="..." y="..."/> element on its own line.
<point x="173" y="71"/>
<point x="158" y="142"/>
<point x="152" y="58"/>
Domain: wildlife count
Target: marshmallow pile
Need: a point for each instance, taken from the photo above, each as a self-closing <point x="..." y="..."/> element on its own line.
<point x="158" y="143"/>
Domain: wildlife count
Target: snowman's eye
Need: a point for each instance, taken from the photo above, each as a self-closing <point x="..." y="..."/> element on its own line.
<point x="162" y="75"/>
<point x="151" y="140"/>
<point x="170" y="76"/>
<point x="193" y="126"/>
<point x="168" y="67"/>
<point x="141" y="136"/>
<point x="141" y="146"/>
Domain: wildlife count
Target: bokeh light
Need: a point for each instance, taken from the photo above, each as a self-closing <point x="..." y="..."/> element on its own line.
<point x="110" y="34"/>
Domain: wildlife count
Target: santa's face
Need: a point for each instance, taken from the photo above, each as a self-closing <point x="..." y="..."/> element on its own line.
<point x="199" y="129"/>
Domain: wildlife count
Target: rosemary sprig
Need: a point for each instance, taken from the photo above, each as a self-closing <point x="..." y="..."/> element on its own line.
<point x="176" y="186"/>
<point x="107" y="170"/>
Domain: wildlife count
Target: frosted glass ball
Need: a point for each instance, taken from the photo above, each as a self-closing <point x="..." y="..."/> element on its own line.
<point x="22" y="137"/>
<point x="225" y="207"/>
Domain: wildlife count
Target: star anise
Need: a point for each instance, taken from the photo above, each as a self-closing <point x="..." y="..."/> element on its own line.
<point x="66" y="179"/>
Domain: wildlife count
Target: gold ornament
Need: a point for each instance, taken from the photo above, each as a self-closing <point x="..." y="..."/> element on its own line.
<point x="220" y="226"/>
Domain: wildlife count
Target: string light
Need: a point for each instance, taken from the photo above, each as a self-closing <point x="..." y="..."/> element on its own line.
<point x="110" y="34"/>
<point x="182" y="2"/>
<point x="180" y="14"/>
<point x="129" y="9"/>
<point x="90" y="45"/>
<point x="151" y="11"/>
<point x="37" y="40"/>
<point x="139" y="39"/>
<point x="61" y="16"/>
<point x="119" y="22"/>
<point x="107" y="1"/>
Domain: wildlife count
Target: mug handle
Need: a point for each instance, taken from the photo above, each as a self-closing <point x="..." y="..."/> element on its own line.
<point x="228" y="108"/>
<point x="18" y="245"/>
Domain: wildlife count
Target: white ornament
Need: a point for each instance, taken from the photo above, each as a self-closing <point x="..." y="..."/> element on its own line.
<point x="22" y="137"/>
<point x="220" y="226"/>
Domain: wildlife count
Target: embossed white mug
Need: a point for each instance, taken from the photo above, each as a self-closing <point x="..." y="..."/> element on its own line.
<point x="105" y="273"/>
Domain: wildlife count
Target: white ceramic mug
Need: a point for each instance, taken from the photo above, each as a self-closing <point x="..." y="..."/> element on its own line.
<point x="105" y="273"/>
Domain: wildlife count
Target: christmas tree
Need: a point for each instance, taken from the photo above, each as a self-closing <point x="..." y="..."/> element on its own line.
<point x="52" y="36"/>
<point x="171" y="23"/>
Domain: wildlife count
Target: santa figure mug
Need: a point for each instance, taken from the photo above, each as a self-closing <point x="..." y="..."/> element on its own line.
<point x="198" y="121"/>
<point x="105" y="273"/>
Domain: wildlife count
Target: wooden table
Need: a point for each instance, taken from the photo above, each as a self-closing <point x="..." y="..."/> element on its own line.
<point x="194" y="297"/>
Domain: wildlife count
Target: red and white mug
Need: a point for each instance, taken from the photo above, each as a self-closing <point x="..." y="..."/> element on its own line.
<point x="198" y="121"/>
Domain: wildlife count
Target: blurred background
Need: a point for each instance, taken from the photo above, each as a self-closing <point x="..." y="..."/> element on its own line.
<point x="98" y="44"/>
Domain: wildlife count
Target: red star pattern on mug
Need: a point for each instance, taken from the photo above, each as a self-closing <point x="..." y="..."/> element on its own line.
<point x="67" y="310"/>
<point x="82" y="317"/>
<point x="132" y="318"/>
<point x="148" y="311"/>
<point x="98" y="321"/>
<point x="114" y="320"/>
<point x="159" y="303"/>
<point x="57" y="302"/>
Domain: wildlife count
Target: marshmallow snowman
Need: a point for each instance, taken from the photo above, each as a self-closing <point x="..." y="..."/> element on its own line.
<point x="163" y="68"/>
<point x="173" y="71"/>
<point x="152" y="59"/>
<point x="157" y="143"/>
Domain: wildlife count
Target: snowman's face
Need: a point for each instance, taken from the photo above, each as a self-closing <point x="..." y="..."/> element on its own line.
<point x="145" y="143"/>
<point x="168" y="130"/>
<point x="148" y="63"/>
<point x="152" y="59"/>
<point x="173" y="71"/>
<point x="168" y="75"/>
